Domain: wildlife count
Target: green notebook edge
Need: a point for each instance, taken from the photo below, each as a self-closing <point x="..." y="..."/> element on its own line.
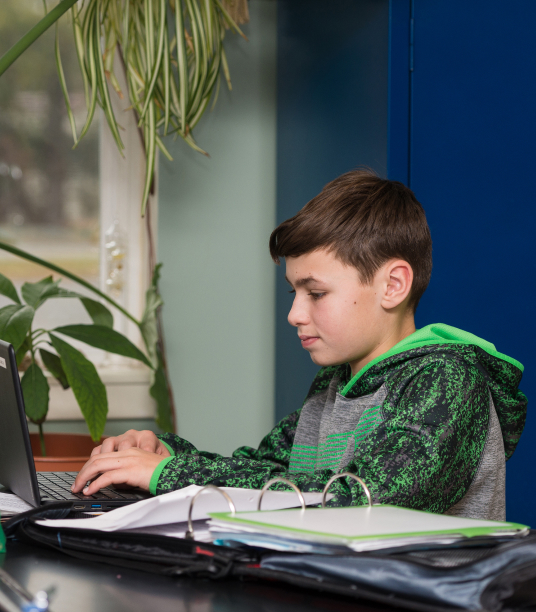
<point x="469" y="532"/>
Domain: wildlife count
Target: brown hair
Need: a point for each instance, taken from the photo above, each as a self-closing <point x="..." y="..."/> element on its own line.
<point x="365" y="220"/>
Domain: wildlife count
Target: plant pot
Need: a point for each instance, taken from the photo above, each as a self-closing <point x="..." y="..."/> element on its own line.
<point x="66" y="452"/>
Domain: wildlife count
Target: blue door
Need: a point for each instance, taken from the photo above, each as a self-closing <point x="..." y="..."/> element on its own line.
<point x="471" y="162"/>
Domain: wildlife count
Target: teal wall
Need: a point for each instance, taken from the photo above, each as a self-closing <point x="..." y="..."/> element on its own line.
<point x="218" y="281"/>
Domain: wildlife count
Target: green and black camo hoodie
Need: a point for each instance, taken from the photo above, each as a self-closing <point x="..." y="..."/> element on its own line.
<point x="427" y="425"/>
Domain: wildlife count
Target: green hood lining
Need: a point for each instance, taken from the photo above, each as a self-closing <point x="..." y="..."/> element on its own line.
<point x="436" y="333"/>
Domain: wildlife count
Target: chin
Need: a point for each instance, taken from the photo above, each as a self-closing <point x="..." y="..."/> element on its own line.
<point x="323" y="362"/>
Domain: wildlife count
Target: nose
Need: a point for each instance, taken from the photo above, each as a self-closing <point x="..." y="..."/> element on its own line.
<point x="298" y="314"/>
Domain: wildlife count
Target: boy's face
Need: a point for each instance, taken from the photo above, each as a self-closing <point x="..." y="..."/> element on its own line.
<point x="338" y="318"/>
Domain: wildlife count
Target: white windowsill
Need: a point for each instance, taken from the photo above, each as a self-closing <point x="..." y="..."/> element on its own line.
<point x="127" y="390"/>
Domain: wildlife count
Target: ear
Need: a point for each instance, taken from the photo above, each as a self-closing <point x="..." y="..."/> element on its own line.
<point x="398" y="279"/>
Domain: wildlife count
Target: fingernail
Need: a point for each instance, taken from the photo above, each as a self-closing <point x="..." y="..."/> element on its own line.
<point x="86" y="489"/>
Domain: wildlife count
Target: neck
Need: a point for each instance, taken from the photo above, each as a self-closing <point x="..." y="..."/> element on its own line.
<point x="402" y="329"/>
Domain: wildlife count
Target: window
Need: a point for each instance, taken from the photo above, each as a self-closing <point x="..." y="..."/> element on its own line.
<point x="58" y="203"/>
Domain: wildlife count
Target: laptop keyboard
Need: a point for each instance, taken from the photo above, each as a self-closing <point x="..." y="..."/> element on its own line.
<point x="57" y="485"/>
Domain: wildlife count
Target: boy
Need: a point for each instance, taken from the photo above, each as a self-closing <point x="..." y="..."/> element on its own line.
<point x="426" y="418"/>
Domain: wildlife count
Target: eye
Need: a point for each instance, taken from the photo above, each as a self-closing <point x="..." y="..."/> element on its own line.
<point x="292" y="291"/>
<point x="316" y="296"/>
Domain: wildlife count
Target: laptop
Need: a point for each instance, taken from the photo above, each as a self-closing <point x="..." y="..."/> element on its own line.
<point x="17" y="468"/>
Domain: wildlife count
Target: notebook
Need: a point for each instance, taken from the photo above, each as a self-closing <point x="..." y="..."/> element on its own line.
<point x="360" y="528"/>
<point x="17" y="468"/>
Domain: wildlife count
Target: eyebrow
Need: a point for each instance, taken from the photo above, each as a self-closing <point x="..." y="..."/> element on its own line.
<point x="303" y="281"/>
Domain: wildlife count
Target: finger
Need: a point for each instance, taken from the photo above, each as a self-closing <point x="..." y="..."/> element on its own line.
<point x="109" y="445"/>
<point x="126" y="443"/>
<point x="93" y="471"/>
<point x="110" y="477"/>
<point x="162" y="450"/>
<point x="97" y="450"/>
<point x="79" y="481"/>
<point x="149" y="442"/>
<point x="90" y="470"/>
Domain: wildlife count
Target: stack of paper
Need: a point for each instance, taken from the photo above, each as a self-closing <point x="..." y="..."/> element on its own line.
<point x="11" y="504"/>
<point x="167" y="514"/>
<point x="363" y="528"/>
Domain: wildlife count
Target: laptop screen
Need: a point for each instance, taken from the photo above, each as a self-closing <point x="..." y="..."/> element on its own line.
<point x="17" y="469"/>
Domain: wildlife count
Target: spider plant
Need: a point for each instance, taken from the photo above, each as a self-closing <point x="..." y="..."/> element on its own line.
<point x="172" y="54"/>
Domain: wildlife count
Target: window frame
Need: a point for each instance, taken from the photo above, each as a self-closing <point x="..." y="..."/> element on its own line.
<point x="121" y="181"/>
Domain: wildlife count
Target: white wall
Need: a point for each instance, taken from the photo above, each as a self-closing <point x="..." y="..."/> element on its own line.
<point x="218" y="281"/>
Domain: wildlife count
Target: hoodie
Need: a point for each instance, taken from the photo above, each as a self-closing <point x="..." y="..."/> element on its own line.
<point x="427" y="425"/>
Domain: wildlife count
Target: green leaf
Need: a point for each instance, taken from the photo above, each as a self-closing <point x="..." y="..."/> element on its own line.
<point x="53" y="365"/>
<point x="7" y="288"/>
<point x="19" y="47"/>
<point x="100" y="315"/>
<point x="35" y="391"/>
<point x="36" y="294"/>
<point x="59" y="292"/>
<point x="63" y="84"/>
<point x="15" y="322"/>
<point x="159" y="391"/>
<point x="104" y="338"/>
<point x="156" y="275"/>
<point x="33" y="293"/>
<point x="22" y="350"/>
<point x="88" y="389"/>
<point x="148" y="325"/>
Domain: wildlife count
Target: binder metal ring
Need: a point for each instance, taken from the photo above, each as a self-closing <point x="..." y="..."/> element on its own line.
<point x="334" y="478"/>
<point x="290" y="484"/>
<point x="189" y="535"/>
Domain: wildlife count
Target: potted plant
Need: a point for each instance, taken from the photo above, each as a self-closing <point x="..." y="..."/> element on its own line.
<point x="48" y="349"/>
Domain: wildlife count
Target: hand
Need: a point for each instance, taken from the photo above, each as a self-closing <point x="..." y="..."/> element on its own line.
<point x="146" y="440"/>
<point x="133" y="467"/>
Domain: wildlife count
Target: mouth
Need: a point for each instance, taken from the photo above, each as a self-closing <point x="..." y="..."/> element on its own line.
<point x="307" y="340"/>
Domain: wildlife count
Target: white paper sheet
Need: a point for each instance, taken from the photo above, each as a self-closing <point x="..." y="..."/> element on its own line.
<point x="177" y="530"/>
<point x="173" y="508"/>
<point x="12" y="504"/>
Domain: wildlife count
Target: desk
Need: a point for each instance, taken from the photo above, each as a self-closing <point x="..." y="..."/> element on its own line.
<point x="92" y="587"/>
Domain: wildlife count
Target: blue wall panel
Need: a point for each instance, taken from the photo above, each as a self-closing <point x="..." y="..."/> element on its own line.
<point x="472" y="159"/>
<point x="332" y="117"/>
<point x="399" y="98"/>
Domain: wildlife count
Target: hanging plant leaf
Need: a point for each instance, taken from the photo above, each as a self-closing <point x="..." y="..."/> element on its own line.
<point x="100" y="315"/>
<point x="88" y="389"/>
<point x="7" y="288"/>
<point x="15" y="322"/>
<point x="35" y="391"/>
<point x="104" y="338"/>
<point x="53" y="365"/>
<point x="171" y="52"/>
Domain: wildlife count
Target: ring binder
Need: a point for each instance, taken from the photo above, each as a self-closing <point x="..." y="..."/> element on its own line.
<point x="189" y="535"/>
<point x="290" y="484"/>
<point x="356" y="478"/>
